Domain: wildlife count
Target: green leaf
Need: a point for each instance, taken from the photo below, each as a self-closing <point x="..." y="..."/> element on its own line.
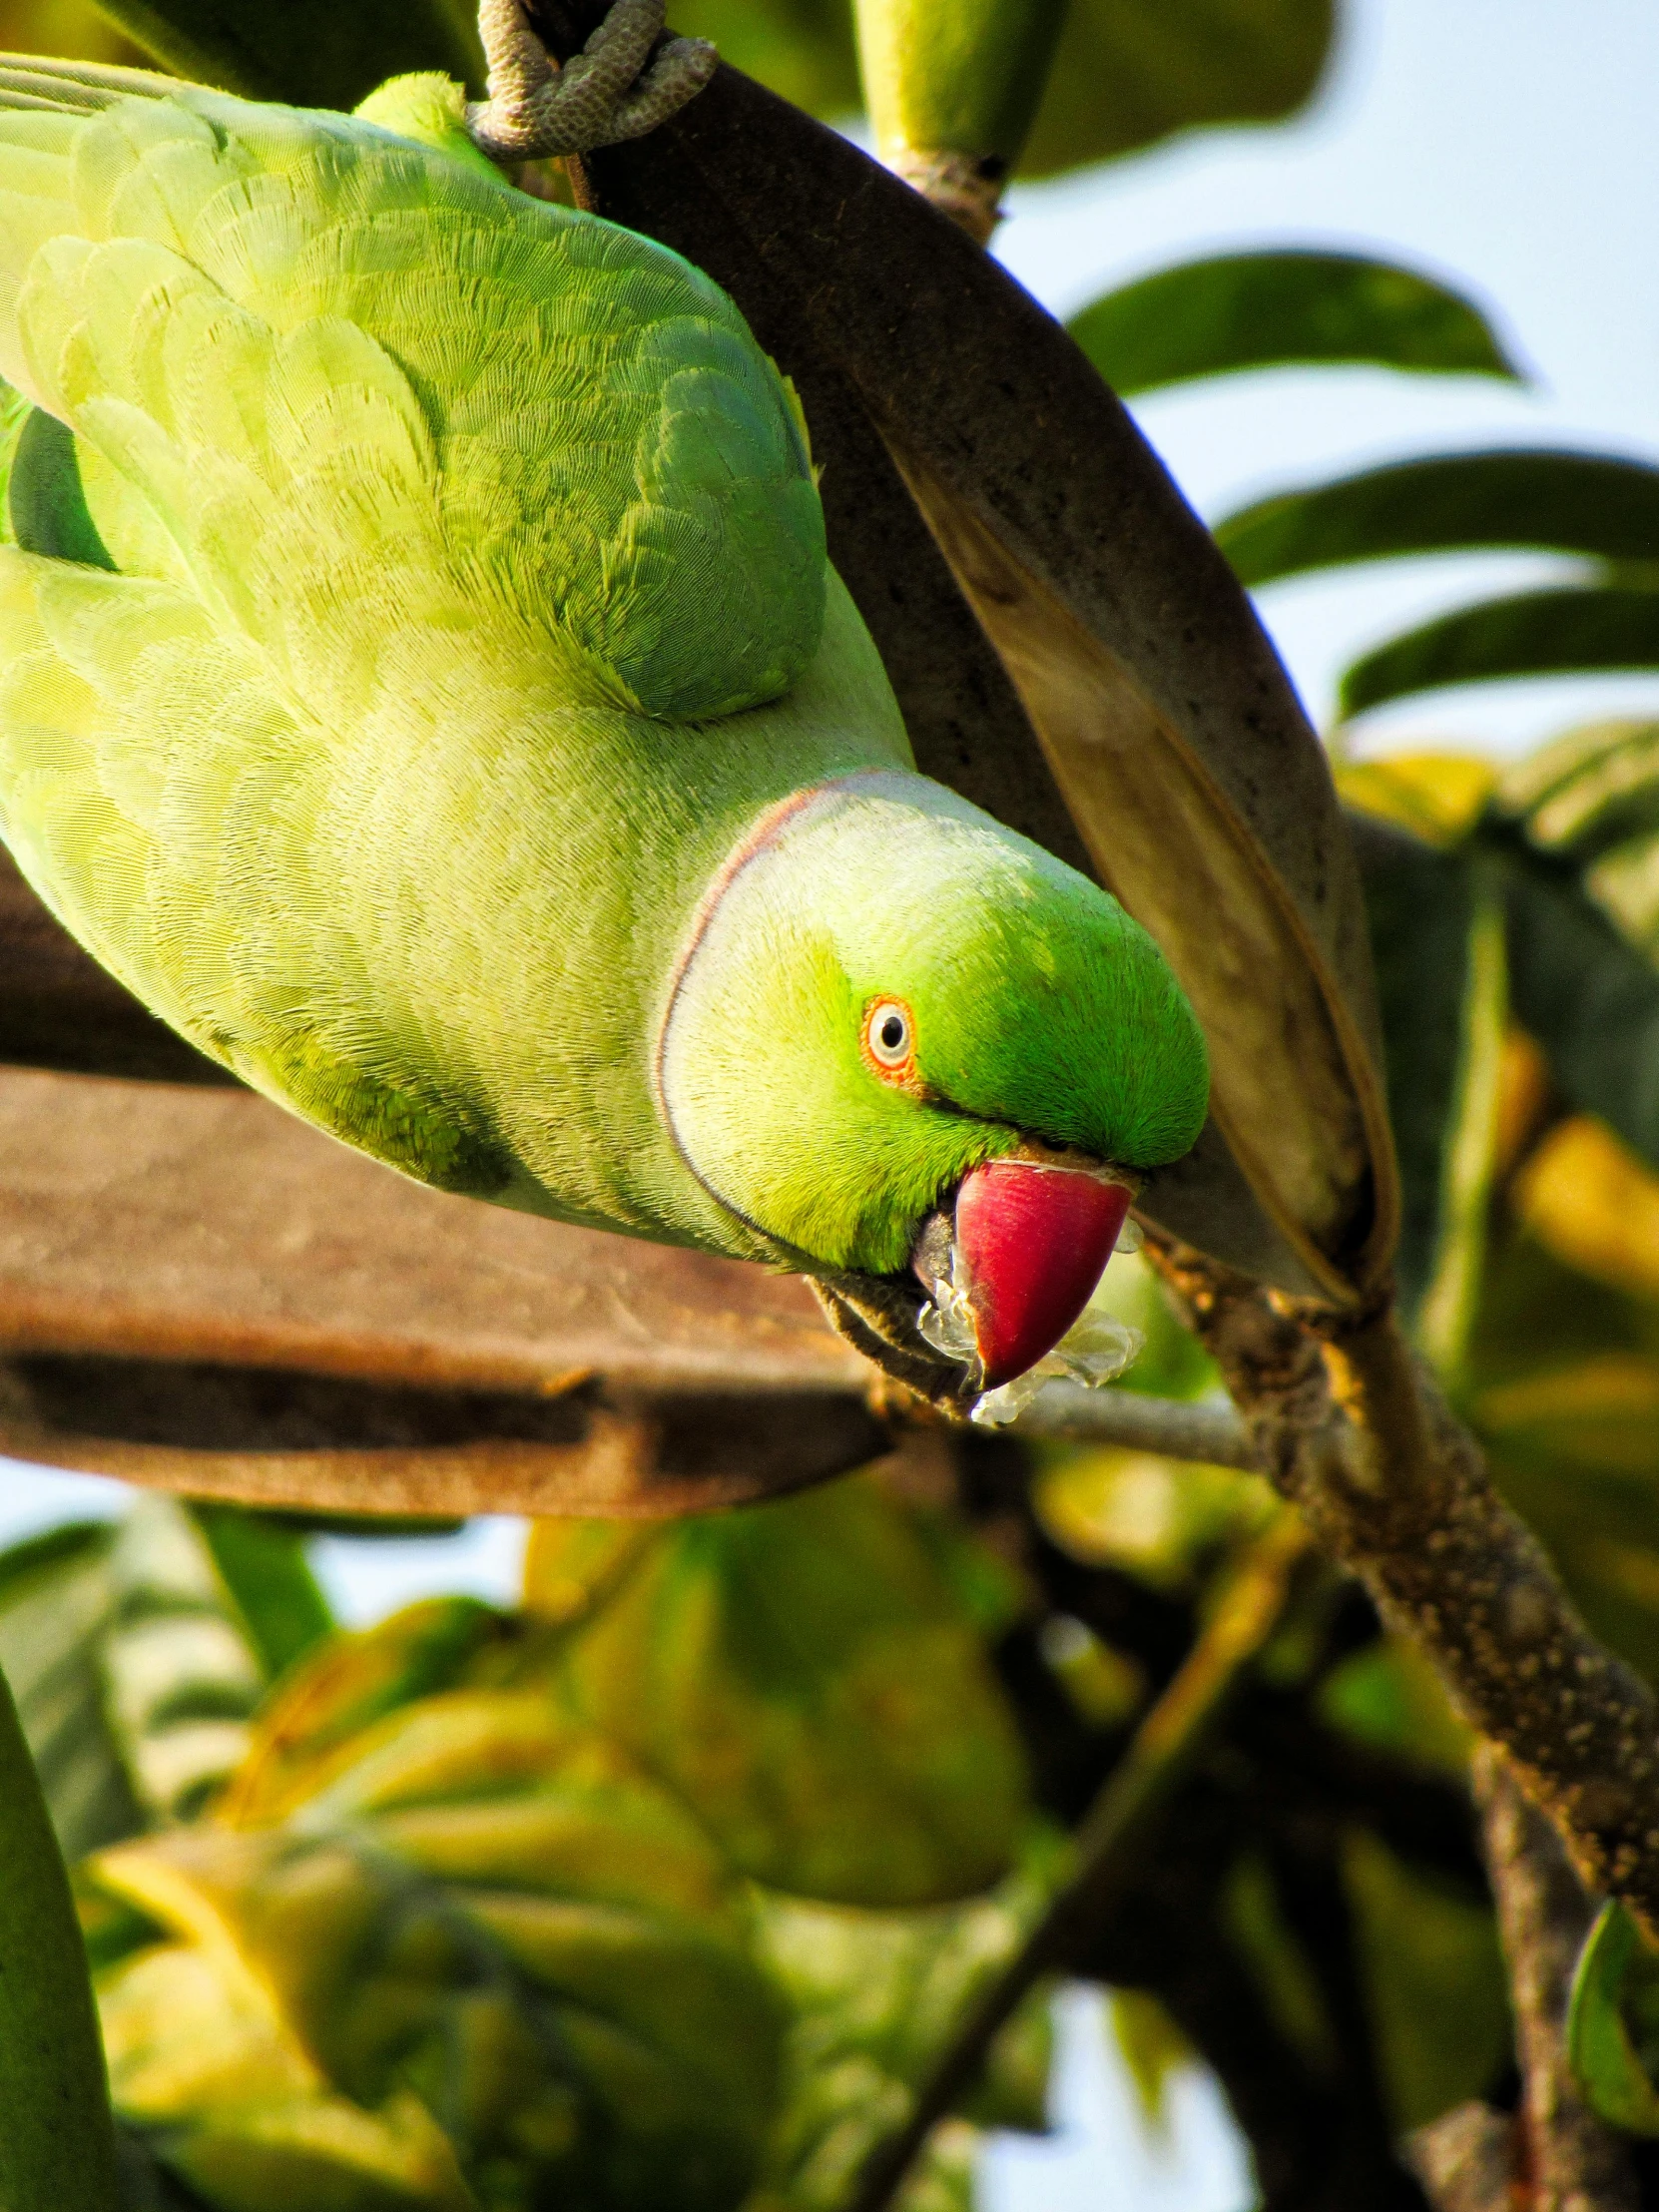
<point x="875" y="1999"/>
<point x="1420" y="906"/>
<point x="1613" y="2043"/>
<point x="1435" y="1981"/>
<point x="1271" y="309"/>
<point x="1590" y="802"/>
<point x="72" y="29"/>
<point x="799" y="49"/>
<point x="1389" y="1696"/>
<point x="1589" y="997"/>
<point x="1594" y="504"/>
<point x="307" y="52"/>
<point x="479" y="1916"/>
<point x="261" y="1561"/>
<point x="804" y="1675"/>
<point x="1539" y="633"/>
<point x="1129" y="71"/>
<point x="135" y="1678"/>
<point x="348" y="1682"/>
<point x="57" y="2146"/>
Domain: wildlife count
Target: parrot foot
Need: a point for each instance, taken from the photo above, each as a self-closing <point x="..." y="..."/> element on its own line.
<point x="603" y="95"/>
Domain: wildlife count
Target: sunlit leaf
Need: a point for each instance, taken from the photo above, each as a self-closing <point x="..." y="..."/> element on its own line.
<point x="1435" y="1979"/>
<point x="483" y="1918"/>
<point x="804" y="1675"/>
<point x="1613" y="2023"/>
<point x="313" y="1723"/>
<point x="134" y="1673"/>
<point x="1273" y="309"/>
<point x="1594" y="1203"/>
<point x="261" y="1563"/>
<point x="875" y="1997"/>
<point x="1538" y="633"/>
<point x="1160" y="1519"/>
<point x="1598" y="505"/>
<point x="1438" y="797"/>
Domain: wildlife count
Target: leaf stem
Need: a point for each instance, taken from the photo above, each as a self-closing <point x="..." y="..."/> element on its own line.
<point x="1112" y="1834"/>
<point x="57" y="2139"/>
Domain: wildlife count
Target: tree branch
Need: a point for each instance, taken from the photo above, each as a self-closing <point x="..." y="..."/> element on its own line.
<point x="1574" y="2161"/>
<point x="1212" y="1433"/>
<point x="1347" y="1425"/>
<point x="1112" y="1834"/>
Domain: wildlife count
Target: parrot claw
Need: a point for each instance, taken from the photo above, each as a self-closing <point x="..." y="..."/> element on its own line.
<point x="612" y="90"/>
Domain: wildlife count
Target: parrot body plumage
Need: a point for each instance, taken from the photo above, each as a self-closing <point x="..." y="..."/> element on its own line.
<point x="422" y="682"/>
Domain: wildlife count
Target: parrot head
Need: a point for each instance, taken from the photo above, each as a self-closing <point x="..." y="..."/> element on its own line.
<point x="903" y="1040"/>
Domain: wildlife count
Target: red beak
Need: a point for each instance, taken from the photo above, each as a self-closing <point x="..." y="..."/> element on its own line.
<point x="1034" y="1241"/>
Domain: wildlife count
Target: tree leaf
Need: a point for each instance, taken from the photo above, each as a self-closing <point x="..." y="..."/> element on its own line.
<point x="1129" y="71"/>
<point x="875" y="1999"/>
<point x="483" y="1914"/>
<point x="1538" y="633"/>
<point x="1271" y="309"/>
<point x="1586" y="994"/>
<point x="1616" y="1972"/>
<point x="57" y="2146"/>
<point x="261" y="1561"/>
<point x="803" y="1676"/>
<point x="800" y="49"/>
<point x="134" y="1674"/>
<point x="72" y="29"/>
<point x="1421" y="905"/>
<point x="1595" y="504"/>
<point x="304" y="52"/>
<point x="1434" y="1982"/>
<point x="311" y="1724"/>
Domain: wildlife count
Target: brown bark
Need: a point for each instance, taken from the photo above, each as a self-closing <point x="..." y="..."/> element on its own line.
<point x="1573" y="2161"/>
<point x="1349" y="1426"/>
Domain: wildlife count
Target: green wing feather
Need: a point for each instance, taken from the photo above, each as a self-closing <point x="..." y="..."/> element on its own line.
<point x="384" y="465"/>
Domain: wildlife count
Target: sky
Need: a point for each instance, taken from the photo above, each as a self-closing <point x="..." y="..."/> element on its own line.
<point x="1505" y="144"/>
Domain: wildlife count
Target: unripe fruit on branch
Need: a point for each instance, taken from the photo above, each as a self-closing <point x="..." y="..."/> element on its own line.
<point x="952" y="88"/>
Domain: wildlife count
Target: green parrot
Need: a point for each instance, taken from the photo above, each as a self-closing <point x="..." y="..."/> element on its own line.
<point x="423" y="685"/>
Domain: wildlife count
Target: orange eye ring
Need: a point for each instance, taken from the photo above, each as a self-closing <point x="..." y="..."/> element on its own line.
<point x="889" y="1039"/>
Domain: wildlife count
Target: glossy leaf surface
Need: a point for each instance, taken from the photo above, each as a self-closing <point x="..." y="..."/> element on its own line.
<point x="1268" y="310"/>
<point x="1599" y="505"/>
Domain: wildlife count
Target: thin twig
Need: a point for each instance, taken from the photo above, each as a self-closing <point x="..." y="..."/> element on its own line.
<point x="1574" y="2161"/>
<point x="1212" y="1433"/>
<point x="1112" y="1835"/>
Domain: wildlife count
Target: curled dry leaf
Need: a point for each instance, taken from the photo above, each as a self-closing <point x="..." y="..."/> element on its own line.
<point x="1114" y="698"/>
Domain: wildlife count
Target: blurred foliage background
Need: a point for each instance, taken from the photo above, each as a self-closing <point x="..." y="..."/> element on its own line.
<point x="669" y="1885"/>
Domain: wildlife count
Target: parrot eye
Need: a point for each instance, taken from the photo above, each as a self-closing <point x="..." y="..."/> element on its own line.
<point x="887" y="1032"/>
